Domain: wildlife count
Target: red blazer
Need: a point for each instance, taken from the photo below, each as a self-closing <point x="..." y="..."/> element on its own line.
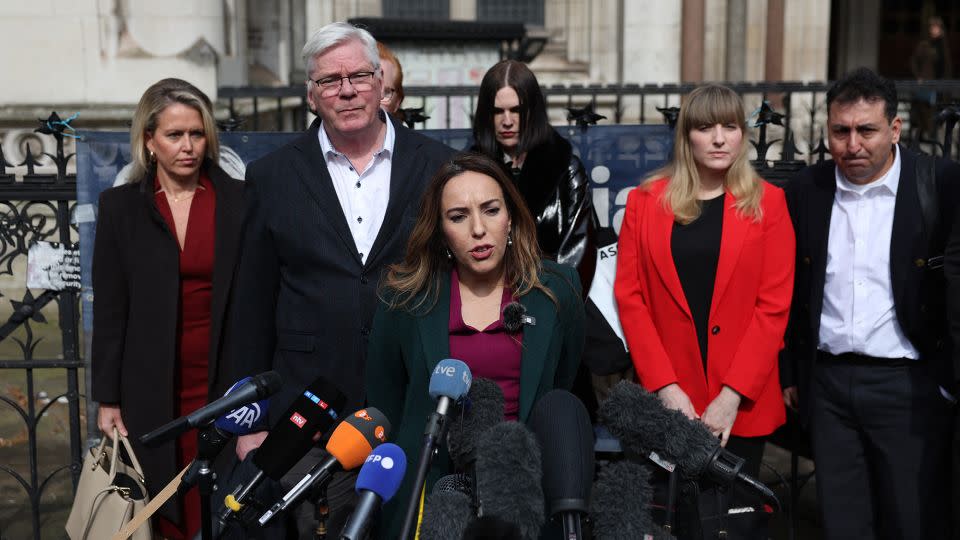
<point x="748" y="313"/>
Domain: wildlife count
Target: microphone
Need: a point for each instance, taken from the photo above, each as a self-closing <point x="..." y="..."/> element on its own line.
<point x="449" y="383"/>
<point x="645" y="426"/>
<point x="515" y="316"/>
<point x="377" y="483"/>
<point x="446" y="514"/>
<point x="212" y="437"/>
<point x="508" y="474"/>
<point x="562" y="427"/>
<point x="306" y="419"/>
<point x="258" y="387"/>
<point x="482" y="410"/>
<point x="349" y="445"/>
<point x="621" y="503"/>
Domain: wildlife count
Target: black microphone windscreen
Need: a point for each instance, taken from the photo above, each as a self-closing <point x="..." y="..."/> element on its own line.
<point x="453" y="482"/>
<point x="491" y="528"/>
<point x="562" y="426"/>
<point x="315" y="410"/>
<point x="508" y="473"/>
<point x="268" y="383"/>
<point x="513" y="316"/>
<point x="621" y="502"/>
<point x="643" y="424"/>
<point x="446" y="515"/>
<point x="482" y="410"/>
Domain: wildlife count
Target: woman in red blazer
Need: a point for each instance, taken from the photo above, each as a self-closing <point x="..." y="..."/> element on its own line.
<point x="704" y="278"/>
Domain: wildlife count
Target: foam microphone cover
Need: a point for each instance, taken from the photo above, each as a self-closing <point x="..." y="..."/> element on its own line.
<point x="383" y="471"/>
<point x="357" y="436"/>
<point x="451" y="378"/>
<point x="482" y="410"/>
<point x="314" y="411"/>
<point x="508" y="473"/>
<point x="643" y="424"/>
<point x="621" y="502"/>
<point x="447" y="510"/>
<point x="562" y="427"/>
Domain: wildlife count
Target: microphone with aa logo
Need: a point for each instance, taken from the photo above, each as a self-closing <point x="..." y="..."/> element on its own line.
<point x="449" y="384"/>
<point x="214" y="436"/>
<point x="377" y="483"/>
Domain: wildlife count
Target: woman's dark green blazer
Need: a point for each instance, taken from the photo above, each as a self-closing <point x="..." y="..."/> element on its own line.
<point x="405" y="347"/>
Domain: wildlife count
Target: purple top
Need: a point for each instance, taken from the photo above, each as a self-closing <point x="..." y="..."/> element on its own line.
<point x="492" y="353"/>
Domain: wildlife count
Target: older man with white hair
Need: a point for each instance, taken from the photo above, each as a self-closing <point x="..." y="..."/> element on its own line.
<point x="326" y="214"/>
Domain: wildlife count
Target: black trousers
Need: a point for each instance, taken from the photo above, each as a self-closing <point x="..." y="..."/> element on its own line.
<point x="881" y="441"/>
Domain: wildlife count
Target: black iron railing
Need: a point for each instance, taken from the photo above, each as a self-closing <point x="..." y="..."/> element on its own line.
<point x="802" y="105"/>
<point x="39" y="208"/>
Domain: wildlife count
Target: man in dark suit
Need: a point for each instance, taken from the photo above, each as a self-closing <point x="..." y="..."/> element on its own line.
<point x="868" y="358"/>
<point x="326" y="214"/>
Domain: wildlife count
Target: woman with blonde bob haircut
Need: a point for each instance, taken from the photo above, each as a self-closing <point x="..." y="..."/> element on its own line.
<point x="166" y="246"/>
<point x="704" y="279"/>
<point x="473" y="251"/>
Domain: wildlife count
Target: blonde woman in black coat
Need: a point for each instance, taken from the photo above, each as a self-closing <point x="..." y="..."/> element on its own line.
<point x="164" y="258"/>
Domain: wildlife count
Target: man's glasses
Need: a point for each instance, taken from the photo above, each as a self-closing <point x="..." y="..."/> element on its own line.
<point x="330" y="86"/>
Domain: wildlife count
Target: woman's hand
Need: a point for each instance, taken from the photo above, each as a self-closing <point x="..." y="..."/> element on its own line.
<point x="108" y="417"/>
<point x="721" y="413"/>
<point x="673" y="397"/>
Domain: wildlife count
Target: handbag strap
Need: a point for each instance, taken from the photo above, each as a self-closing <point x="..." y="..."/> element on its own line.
<point x="150" y="509"/>
<point x="133" y="457"/>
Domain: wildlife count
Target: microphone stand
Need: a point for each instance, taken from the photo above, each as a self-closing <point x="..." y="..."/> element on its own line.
<point x="435" y="431"/>
<point x="321" y="509"/>
<point x="210" y="442"/>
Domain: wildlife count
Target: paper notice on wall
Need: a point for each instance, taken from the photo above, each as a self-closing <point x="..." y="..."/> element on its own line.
<point x="53" y="266"/>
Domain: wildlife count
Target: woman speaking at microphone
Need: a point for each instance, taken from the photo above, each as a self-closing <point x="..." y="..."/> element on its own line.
<point x="704" y="279"/>
<point x="473" y="251"/>
<point x="165" y="251"/>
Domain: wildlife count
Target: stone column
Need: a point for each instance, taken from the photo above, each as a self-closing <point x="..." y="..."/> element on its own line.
<point x="692" y="39"/>
<point x="736" y="40"/>
<point x="463" y="10"/>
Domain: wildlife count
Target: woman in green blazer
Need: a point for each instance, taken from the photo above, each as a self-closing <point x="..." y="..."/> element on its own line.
<point x="475" y="232"/>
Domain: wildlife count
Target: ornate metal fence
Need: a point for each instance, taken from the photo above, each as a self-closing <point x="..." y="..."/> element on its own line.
<point x="38" y="208"/>
<point x="802" y="105"/>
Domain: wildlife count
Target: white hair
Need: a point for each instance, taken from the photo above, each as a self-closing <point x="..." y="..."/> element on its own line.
<point x="335" y="34"/>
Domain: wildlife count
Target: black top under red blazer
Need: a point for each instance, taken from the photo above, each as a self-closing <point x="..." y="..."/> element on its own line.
<point x="136" y="285"/>
<point x="748" y="313"/>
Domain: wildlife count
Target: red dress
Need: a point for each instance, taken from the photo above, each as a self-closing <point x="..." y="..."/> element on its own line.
<point x="193" y="334"/>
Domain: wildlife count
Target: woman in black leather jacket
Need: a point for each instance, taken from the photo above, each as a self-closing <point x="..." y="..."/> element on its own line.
<point x="510" y="125"/>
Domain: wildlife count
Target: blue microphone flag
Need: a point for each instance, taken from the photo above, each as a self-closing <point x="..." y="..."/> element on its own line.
<point x="245" y="419"/>
<point x="383" y="471"/>
<point x="451" y="378"/>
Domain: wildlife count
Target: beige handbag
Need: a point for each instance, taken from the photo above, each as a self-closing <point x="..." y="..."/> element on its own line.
<point x="109" y="494"/>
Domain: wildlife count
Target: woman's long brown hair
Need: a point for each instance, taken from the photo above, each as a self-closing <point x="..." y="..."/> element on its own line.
<point x="414" y="283"/>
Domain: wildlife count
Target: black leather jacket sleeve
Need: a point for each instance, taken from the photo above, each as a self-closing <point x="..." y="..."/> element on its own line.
<point x="578" y="223"/>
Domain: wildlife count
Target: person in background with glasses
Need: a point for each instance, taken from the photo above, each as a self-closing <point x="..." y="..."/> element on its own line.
<point x="326" y="214"/>
<point x="392" y="82"/>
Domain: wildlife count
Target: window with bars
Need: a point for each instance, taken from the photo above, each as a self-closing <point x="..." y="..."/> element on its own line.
<point x="525" y="11"/>
<point x="417" y="9"/>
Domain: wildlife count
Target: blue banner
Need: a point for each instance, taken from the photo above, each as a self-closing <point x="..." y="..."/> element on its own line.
<point x="616" y="158"/>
